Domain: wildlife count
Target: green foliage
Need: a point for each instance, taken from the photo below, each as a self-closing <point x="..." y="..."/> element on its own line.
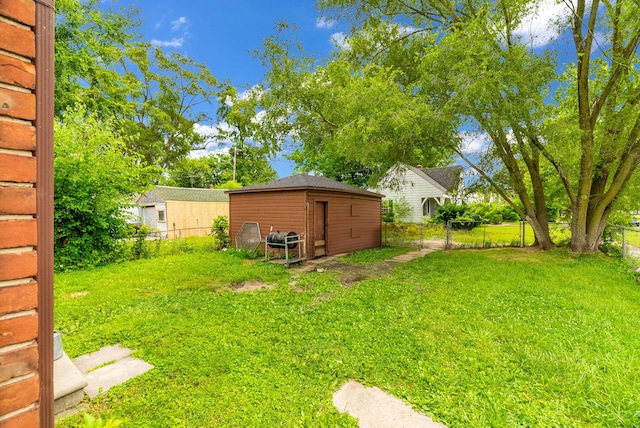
<point x="231" y="184"/>
<point x="397" y="210"/>
<point x="335" y="166"/>
<point x="411" y="75"/>
<point x="220" y="230"/>
<point x="449" y="212"/>
<point x="93" y="422"/>
<point x="470" y="215"/>
<point x="89" y="43"/>
<point x="153" y="97"/>
<point x="471" y="338"/>
<point x="560" y="234"/>
<point x="252" y="167"/>
<point x="388" y="216"/>
<point x="94" y="183"/>
<point x="139" y="250"/>
<point x="167" y="103"/>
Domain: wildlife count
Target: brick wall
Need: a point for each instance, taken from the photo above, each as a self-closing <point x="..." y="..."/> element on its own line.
<point x="20" y="357"/>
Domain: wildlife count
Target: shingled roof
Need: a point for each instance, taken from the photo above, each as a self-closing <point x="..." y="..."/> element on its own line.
<point x="447" y="177"/>
<point x="166" y="193"/>
<point x="302" y="181"/>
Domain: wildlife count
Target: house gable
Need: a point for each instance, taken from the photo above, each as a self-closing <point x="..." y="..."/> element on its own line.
<point x="417" y="187"/>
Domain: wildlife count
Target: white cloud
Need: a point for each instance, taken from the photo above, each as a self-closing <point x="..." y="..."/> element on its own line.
<point x="323" y="22"/>
<point x="472" y="142"/>
<point x="212" y="144"/>
<point x="259" y="117"/>
<point x="178" y="23"/>
<point x="340" y="40"/>
<point x="539" y="28"/>
<point x="176" y="42"/>
<point x="255" y="91"/>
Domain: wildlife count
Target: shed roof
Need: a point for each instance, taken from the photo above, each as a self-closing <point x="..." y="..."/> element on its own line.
<point x="167" y="193"/>
<point x="300" y="182"/>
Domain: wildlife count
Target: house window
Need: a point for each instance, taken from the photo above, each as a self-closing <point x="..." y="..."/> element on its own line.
<point x="161" y="215"/>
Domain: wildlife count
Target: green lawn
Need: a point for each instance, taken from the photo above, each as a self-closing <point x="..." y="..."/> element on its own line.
<point x="477" y="338"/>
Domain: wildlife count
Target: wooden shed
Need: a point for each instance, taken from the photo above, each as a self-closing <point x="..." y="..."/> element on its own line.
<point x="180" y="211"/>
<point x="331" y="217"/>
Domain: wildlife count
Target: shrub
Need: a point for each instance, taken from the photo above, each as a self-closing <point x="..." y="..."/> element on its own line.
<point x="95" y="179"/>
<point x="139" y="250"/>
<point x="476" y="213"/>
<point x="397" y="210"/>
<point x="220" y="230"/>
<point x="449" y="212"/>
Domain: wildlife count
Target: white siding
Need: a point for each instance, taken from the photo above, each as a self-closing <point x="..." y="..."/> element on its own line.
<point x="414" y="189"/>
<point x="149" y="217"/>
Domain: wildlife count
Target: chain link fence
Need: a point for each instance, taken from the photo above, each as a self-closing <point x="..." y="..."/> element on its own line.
<point x="626" y="240"/>
<point x="173" y="241"/>
<point x="467" y="234"/>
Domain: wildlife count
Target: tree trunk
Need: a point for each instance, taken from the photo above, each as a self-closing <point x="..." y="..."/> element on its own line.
<point x="541" y="231"/>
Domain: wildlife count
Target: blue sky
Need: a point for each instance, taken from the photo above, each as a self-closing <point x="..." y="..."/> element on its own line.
<point x="223" y="34"/>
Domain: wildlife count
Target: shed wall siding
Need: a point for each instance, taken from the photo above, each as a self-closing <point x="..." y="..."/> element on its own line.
<point x="284" y="211"/>
<point x="353" y="221"/>
<point x="413" y="189"/>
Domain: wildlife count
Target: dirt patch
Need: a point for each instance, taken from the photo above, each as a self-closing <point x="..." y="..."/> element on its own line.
<point x="351" y="274"/>
<point x="243" y="286"/>
<point x="79" y="293"/>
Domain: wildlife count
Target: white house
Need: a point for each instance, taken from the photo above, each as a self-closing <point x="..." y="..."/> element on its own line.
<point x="423" y="189"/>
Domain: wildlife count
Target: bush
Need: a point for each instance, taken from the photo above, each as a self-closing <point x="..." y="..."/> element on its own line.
<point x="139" y="250"/>
<point x="94" y="181"/>
<point x="473" y="214"/>
<point x="220" y="230"/>
<point x="396" y="210"/>
<point x="449" y="212"/>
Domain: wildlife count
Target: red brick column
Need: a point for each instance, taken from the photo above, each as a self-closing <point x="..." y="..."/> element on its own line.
<point x="22" y="338"/>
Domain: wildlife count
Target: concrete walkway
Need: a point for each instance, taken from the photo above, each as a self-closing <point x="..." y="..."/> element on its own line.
<point x="376" y="409"/>
<point x="108" y="367"/>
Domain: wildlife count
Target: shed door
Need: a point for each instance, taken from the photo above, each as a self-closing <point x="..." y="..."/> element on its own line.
<point x="320" y="217"/>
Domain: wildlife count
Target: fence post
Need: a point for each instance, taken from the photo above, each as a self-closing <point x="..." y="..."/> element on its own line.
<point x="484" y="234"/>
<point x="384" y="233"/>
<point x="447" y="244"/>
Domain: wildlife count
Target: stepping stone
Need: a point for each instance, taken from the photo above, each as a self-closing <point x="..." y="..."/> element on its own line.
<point x="86" y="362"/>
<point x="103" y="378"/>
<point x="376" y="409"/>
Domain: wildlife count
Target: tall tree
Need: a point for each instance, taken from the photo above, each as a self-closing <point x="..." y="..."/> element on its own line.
<point x="412" y="74"/>
<point x="89" y="44"/>
<point x="173" y="96"/>
<point x="251" y="167"/>
<point x="156" y="97"/>
<point x="322" y="115"/>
